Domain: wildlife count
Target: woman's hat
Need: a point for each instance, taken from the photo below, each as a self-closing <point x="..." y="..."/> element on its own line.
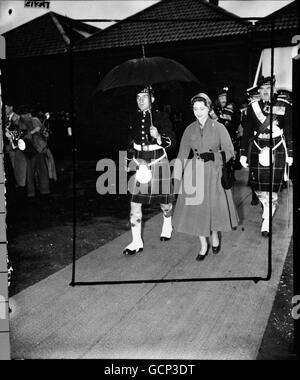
<point x="200" y="97"/>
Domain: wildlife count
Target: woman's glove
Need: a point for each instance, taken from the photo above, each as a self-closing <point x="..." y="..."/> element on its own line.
<point x="243" y="161"/>
<point x="207" y="156"/>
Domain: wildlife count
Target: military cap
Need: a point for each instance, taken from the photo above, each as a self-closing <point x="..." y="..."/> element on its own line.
<point x="284" y="94"/>
<point x="266" y="80"/>
<point x="223" y="91"/>
<point x="252" y="91"/>
<point x="146" y="90"/>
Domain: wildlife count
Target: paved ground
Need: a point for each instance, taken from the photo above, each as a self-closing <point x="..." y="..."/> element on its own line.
<point x="204" y="320"/>
<point x="40" y="231"/>
<point x="278" y="339"/>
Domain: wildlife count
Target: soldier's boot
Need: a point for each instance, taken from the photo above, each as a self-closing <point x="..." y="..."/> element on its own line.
<point x="254" y="200"/>
<point x="264" y="199"/>
<point x="136" y="244"/>
<point x="265" y="224"/>
<point x="167" y="227"/>
<point x="265" y="227"/>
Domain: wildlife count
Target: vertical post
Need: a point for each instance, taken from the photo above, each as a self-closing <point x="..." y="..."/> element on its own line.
<point x="296" y="199"/>
<point x="251" y="45"/>
<point x="148" y="89"/>
<point x="74" y="146"/>
<point x="271" y="155"/>
<point x="4" y="313"/>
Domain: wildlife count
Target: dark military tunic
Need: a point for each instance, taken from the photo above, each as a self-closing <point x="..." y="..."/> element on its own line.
<point x="229" y="118"/>
<point x="259" y="176"/>
<point x="158" y="189"/>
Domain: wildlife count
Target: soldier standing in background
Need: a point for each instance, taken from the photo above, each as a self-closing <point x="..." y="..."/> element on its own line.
<point x="17" y="156"/>
<point x="256" y="138"/>
<point x="34" y="166"/>
<point x="226" y="113"/>
<point x="252" y="95"/>
<point x="285" y="96"/>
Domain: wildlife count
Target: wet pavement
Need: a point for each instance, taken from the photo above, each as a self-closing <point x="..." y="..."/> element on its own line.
<point x="40" y="241"/>
<point x="190" y="320"/>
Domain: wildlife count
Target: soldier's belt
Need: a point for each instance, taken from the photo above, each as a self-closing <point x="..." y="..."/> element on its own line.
<point x="144" y="173"/>
<point x="264" y="153"/>
<point x="148" y="148"/>
<point x="267" y="135"/>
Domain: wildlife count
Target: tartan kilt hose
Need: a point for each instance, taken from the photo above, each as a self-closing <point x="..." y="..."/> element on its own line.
<point x="259" y="176"/>
<point x="159" y="188"/>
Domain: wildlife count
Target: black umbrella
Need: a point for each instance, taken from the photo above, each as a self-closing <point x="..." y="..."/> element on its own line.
<point x="145" y="72"/>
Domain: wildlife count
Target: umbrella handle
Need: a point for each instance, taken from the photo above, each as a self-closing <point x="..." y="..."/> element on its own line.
<point x="151" y="125"/>
<point x="151" y="139"/>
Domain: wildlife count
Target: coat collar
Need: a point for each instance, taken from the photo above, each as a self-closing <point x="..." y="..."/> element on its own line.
<point x="207" y="123"/>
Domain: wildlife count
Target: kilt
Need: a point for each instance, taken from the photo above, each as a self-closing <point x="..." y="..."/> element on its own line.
<point x="159" y="188"/>
<point x="259" y="176"/>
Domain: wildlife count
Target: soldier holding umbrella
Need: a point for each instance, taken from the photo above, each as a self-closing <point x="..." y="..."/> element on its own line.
<point x="149" y="136"/>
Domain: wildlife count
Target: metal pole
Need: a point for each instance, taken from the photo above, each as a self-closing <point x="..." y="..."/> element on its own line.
<point x="271" y="155"/>
<point x="148" y="90"/>
<point x="73" y="149"/>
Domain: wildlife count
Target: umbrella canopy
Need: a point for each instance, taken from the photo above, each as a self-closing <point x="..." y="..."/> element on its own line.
<point x="144" y="72"/>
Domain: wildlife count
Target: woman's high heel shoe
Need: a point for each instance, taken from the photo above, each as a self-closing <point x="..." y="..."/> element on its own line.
<point x="202" y="257"/>
<point x="216" y="249"/>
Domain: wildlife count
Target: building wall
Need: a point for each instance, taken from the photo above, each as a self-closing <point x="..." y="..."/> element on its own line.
<point x="102" y="119"/>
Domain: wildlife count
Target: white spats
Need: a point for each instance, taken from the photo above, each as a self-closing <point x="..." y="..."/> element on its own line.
<point x="167" y="228"/>
<point x="137" y="243"/>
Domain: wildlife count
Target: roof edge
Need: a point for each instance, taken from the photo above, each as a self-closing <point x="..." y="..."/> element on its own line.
<point x="224" y="11"/>
<point x="50" y="13"/>
<point x="120" y="22"/>
<point x="127" y="19"/>
<point x="274" y="14"/>
<point x="60" y="29"/>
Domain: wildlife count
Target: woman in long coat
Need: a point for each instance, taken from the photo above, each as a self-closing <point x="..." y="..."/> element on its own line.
<point x="206" y="208"/>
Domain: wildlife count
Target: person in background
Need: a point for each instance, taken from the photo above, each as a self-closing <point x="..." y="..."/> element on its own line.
<point x="226" y="113"/>
<point x="44" y="119"/>
<point x="17" y="156"/>
<point x="40" y="166"/>
<point x="239" y="132"/>
<point x="285" y="96"/>
<point x="150" y="135"/>
<point x="252" y="96"/>
<point x="256" y="138"/>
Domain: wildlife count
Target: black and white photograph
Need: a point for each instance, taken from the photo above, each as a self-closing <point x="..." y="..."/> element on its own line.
<point x="148" y="160"/>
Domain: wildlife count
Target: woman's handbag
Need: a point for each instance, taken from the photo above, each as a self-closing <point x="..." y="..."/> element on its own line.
<point x="227" y="178"/>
